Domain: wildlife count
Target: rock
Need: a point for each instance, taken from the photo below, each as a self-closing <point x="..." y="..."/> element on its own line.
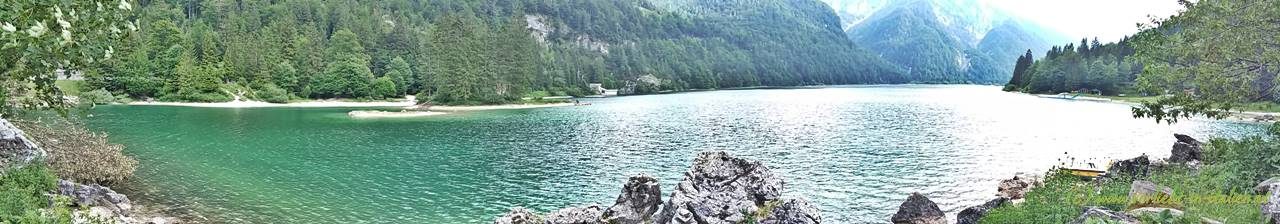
<point x="974" y="214"/>
<point x="794" y="211"/>
<point x="918" y="209"/>
<point x="1136" y="167"/>
<point x="1207" y="220"/>
<point x="95" y="195"/>
<point x="1267" y="185"/>
<point x="1271" y="209"/>
<point x="1186" y="139"/>
<point x="518" y="215"/>
<point x="720" y="189"/>
<point x="1147" y="194"/>
<point x="1183" y="152"/>
<point x="1139" y="212"/>
<point x="577" y="215"/>
<point x="15" y="149"/>
<point x="641" y="197"/>
<point x="1015" y="188"/>
<point x="162" y="220"/>
<point x="1102" y="215"/>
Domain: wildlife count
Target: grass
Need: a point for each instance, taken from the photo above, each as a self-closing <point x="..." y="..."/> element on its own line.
<point x="70" y="87"/>
<point x="1220" y="190"/>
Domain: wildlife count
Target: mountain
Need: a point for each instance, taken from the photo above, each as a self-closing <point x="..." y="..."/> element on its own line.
<point x="944" y="41"/>
<point x="478" y="51"/>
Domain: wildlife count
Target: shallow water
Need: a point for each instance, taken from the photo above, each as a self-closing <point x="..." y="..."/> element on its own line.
<point x="854" y="151"/>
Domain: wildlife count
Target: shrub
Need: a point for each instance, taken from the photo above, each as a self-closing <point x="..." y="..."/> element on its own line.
<point x="96" y="97"/>
<point x="271" y="93"/>
<point x="79" y="154"/>
<point x="22" y="190"/>
<point x="382" y="87"/>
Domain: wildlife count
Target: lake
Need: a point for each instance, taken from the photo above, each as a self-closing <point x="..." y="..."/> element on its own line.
<point x="855" y="151"/>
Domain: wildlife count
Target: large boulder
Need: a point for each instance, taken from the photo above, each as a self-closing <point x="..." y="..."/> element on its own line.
<point x="918" y="209"/>
<point x="1186" y="149"/>
<point x="640" y="198"/>
<point x="720" y="189"/>
<point x="1271" y="209"/>
<point x="1102" y="215"/>
<point x="974" y="214"/>
<point x="1137" y="167"/>
<point x="518" y="215"/>
<point x="793" y="211"/>
<point x="1148" y="194"/>
<point x="577" y="215"/>
<point x="15" y="149"/>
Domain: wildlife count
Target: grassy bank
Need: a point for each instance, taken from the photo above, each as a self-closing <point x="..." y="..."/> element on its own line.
<point x="1221" y="190"/>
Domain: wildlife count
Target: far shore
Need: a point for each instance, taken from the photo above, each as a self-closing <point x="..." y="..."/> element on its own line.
<point x="402" y="102"/>
<point x="1236" y="115"/>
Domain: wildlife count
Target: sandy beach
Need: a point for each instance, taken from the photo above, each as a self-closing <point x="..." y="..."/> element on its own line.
<point x="404" y="102"/>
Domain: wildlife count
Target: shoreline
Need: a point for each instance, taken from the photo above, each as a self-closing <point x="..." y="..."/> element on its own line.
<point x="406" y="102"/>
<point x="1238" y="116"/>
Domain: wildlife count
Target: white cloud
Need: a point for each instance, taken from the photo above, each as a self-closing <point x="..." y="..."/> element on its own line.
<point x="1109" y="20"/>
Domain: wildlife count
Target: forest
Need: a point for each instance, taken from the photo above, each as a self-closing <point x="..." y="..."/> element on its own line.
<point x="473" y="52"/>
<point x="1089" y="67"/>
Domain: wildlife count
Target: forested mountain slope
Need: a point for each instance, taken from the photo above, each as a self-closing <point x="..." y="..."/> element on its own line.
<point x="487" y="51"/>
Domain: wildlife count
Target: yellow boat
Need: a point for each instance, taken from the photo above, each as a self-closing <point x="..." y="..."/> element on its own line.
<point x="1090" y="173"/>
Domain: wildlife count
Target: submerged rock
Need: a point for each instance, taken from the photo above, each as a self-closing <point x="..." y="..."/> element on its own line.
<point x="1102" y="215"/>
<point x="1137" y="167"/>
<point x="794" y="211"/>
<point x="640" y="198"/>
<point x="974" y="214"/>
<point x="918" y="209"/>
<point x="577" y="215"/>
<point x="518" y="215"/>
<point x="720" y="189"/>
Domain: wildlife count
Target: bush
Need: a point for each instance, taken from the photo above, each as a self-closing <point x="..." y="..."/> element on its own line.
<point x="96" y="97"/>
<point x="22" y="190"/>
<point x="382" y="88"/>
<point x="272" y="94"/>
<point x="79" y="154"/>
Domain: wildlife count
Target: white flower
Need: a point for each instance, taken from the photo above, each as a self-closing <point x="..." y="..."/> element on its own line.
<point x="99" y="6"/>
<point x="64" y="23"/>
<point x="109" y="51"/>
<point x="66" y="36"/>
<point x="124" y="5"/>
<point x="37" y="30"/>
<point x="57" y="12"/>
<point x="115" y="29"/>
<point x="8" y="27"/>
<point x="131" y="26"/>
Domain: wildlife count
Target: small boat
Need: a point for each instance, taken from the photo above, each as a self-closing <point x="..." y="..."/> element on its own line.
<point x="1083" y="172"/>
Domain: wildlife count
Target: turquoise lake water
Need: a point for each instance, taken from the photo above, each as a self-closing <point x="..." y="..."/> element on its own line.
<point x="855" y="151"/>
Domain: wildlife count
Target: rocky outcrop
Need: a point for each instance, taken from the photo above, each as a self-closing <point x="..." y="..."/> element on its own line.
<point x="721" y="189"/>
<point x="717" y="189"/>
<point x="1148" y="194"/>
<point x="1137" y="167"/>
<point x="15" y="149"/>
<point x="94" y="195"/>
<point x="918" y="209"/>
<point x="577" y="215"/>
<point x="1139" y="212"/>
<point x="1102" y="215"/>
<point x="974" y="214"/>
<point x="640" y="199"/>
<point x="518" y="215"/>
<point x="793" y="211"/>
<point x="1271" y="209"/>
<point x="1187" y="149"/>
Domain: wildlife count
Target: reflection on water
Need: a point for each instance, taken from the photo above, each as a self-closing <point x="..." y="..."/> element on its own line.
<point x="854" y="151"/>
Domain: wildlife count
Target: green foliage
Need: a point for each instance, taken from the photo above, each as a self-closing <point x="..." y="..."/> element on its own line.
<point x="37" y="38"/>
<point x="272" y="94"/>
<point x="1210" y="58"/>
<point x="97" y="97"/>
<point x="201" y="83"/>
<point x="382" y="88"/>
<point x="346" y="78"/>
<point x="1090" y="67"/>
<point x="401" y="75"/>
<point x="22" y="191"/>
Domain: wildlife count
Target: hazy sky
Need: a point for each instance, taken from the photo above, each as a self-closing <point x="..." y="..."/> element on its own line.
<point x="1109" y="20"/>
